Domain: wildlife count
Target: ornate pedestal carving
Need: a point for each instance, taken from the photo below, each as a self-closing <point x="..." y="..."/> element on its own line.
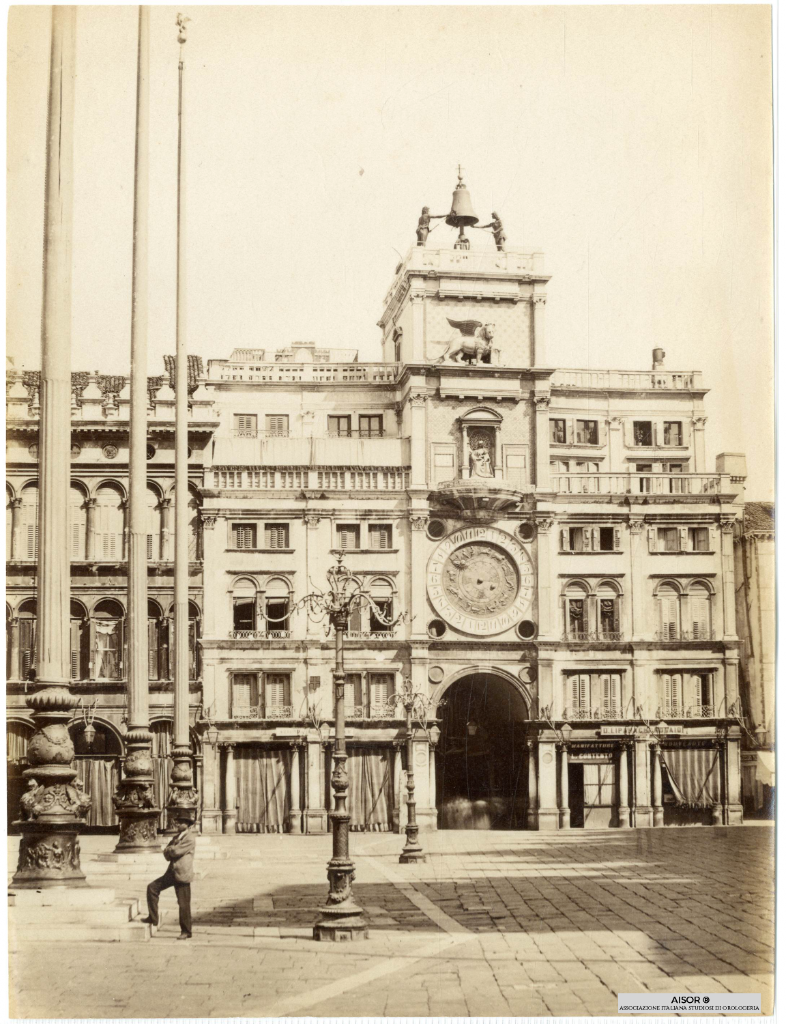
<point x="134" y="800"/>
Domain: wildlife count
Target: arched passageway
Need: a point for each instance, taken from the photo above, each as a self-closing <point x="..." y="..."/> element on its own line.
<point x="481" y="757"/>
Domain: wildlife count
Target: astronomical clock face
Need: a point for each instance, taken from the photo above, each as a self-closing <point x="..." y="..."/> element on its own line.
<point x="481" y="580"/>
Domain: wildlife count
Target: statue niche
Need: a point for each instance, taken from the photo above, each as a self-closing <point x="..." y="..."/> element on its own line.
<point x="481" y="447"/>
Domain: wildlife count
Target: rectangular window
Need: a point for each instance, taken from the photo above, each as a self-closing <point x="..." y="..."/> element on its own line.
<point x="339" y="426"/>
<point x="244" y="613"/>
<point x="244" y="535"/>
<point x="558" y="435"/>
<point x="353" y="695"/>
<point x="586" y="431"/>
<point x="348" y="536"/>
<point x="276" y="614"/>
<point x="672" y="433"/>
<point x="577" y="538"/>
<point x="276" y="535"/>
<point x="380" y="623"/>
<point x="277" y="426"/>
<point x="606" y="538"/>
<point x="276" y="692"/>
<point x="642" y="433"/>
<point x="245" y="425"/>
<point x="668" y="538"/>
<point x="380" y="688"/>
<point x="245" y="695"/>
<point x="671" y="691"/>
<point x="611" y="692"/>
<point x="699" y="538"/>
<point x="370" y="426"/>
<point x="578" y="692"/>
<point x="380" y="537"/>
<point x="560" y="467"/>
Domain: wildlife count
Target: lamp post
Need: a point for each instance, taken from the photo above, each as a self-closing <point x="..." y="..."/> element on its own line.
<point x="416" y="704"/>
<point x="342" y="919"/>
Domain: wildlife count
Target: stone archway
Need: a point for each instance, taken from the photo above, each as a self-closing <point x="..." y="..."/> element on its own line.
<point x="481" y="757"/>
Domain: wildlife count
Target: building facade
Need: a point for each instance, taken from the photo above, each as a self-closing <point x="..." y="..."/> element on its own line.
<point x="559" y="558"/>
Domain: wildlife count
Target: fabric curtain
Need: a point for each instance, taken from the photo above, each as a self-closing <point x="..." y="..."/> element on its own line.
<point x="694" y="776"/>
<point x="370" y="794"/>
<point x="99" y="778"/>
<point x="17" y="737"/>
<point x="263" y="789"/>
<point x="161" y="749"/>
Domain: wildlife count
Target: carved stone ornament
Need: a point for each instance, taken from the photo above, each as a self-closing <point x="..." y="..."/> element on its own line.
<point x="538" y="300"/>
<point x="110" y="451"/>
<point x="418" y="399"/>
<point x="418" y="522"/>
<point x="52" y="745"/>
<point x="137" y="832"/>
<point x="312" y="522"/>
<point x="727" y="525"/>
<point x="47" y="858"/>
<point x="542" y="401"/>
<point x="544" y="523"/>
<point x="636" y="526"/>
<point x="481" y="580"/>
<point x="208" y="521"/>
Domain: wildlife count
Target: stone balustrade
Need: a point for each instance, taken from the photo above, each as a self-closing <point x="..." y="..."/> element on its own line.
<point x="672" y="484"/>
<point x="628" y="380"/>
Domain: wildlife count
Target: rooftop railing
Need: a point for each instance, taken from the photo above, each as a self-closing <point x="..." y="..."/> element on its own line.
<point x="628" y="380"/>
<point x="318" y="373"/>
<point x="640" y="483"/>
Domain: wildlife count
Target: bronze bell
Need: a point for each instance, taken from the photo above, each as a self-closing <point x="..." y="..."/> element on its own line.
<point x="461" y="213"/>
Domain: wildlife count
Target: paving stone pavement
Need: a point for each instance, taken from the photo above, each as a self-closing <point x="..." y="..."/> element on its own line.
<point x="495" y="923"/>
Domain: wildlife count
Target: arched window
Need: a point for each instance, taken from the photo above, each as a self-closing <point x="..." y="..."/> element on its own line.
<point x="157" y="642"/>
<point x="277" y="608"/>
<point x="668" y="611"/>
<point x="77" y="524"/>
<point x="9" y="523"/>
<point x="154" y="552"/>
<point x="28" y="618"/>
<point x="110" y="522"/>
<point x="608" y="612"/>
<point x="108" y="652"/>
<point x="576" y="611"/>
<point x="244" y="600"/>
<point x="80" y="642"/>
<point x="699" y="623"/>
<point x="29" y="512"/>
<point x="381" y="611"/>
<point x="194" y="632"/>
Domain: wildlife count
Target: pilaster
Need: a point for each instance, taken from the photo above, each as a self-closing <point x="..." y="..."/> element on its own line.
<point x="727" y="564"/>
<point x="548" y="814"/>
<point x="230" y="790"/>
<point x="638" y="580"/>
<point x="542" y="442"/>
<point x="546" y="620"/>
<point x="316" y="813"/>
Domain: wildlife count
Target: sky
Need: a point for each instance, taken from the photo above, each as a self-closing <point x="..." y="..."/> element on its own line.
<point x="631" y="144"/>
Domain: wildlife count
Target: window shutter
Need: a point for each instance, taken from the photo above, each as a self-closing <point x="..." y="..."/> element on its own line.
<point x="570" y="431"/>
<point x="684" y="538"/>
<point x="76" y="636"/>
<point x="655" y="434"/>
<point x="595" y="538"/>
<point x="652" y="539"/>
<point x="669" y="617"/>
<point x="354" y="618"/>
<point x="152" y="649"/>
<point x="32" y="540"/>
<point x="700" y="618"/>
<point x="586" y="534"/>
<point x="617" y="539"/>
<point x="575" y="691"/>
<point x="379" y="691"/>
<point x="564" y="539"/>
<point x="611" y="694"/>
<point x="695" y="684"/>
<point x="276" y="691"/>
<point x="584" y="690"/>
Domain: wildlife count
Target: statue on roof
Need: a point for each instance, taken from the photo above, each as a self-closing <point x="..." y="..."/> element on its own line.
<point x="496" y="229"/>
<point x="424" y="224"/>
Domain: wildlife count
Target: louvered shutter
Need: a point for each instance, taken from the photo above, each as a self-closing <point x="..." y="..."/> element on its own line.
<point x="276" y="692"/>
<point x="595" y="538"/>
<point x="700" y="617"/>
<point x="353" y="691"/>
<point x="586" y="536"/>
<point x="152" y="648"/>
<point x="696" y="694"/>
<point x="244" y="693"/>
<point x="379" y="690"/>
<point x="617" y="539"/>
<point x="564" y="536"/>
<point x="684" y="538"/>
<point x="611" y="694"/>
<point x="76" y="648"/>
<point x="32" y="540"/>
<point x="669" y="617"/>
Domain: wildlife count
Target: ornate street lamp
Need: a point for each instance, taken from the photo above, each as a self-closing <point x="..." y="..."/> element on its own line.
<point x="342" y="918"/>
<point x="417" y="705"/>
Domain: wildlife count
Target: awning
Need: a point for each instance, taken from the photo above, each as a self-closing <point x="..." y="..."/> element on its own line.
<point x="765" y="767"/>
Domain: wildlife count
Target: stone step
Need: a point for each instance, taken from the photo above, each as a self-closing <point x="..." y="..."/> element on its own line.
<point x="55" y="931"/>
<point x="74" y="915"/>
<point x="83" y="896"/>
<point x="88" y="916"/>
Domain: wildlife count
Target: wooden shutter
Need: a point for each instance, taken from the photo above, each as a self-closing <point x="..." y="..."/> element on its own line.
<point x="580" y="687"/>
<point x="700" y="617"/>
<point x="380" y="689"/>
<point x="596" y="538"/>
<point x="152" y="648"/>
<point x="586" y="535"/>
<point x="610" y="684"/>
<point x="652" y="539"/>
<point x="617" y="539"/>
<point x="669" y="616"/>
<point x="245" y="693"/>
<point x="353" y="691"/>
<point x="684" y="546"/>
<point x="276" y="691"/>
<point x="564" y="539"/>
<point x="695" y="690"/>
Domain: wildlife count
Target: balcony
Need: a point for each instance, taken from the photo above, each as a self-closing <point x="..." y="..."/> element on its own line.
<point x="698" y="635"/>
<point x="357" y="712"/>
<point x="370" y="634"/>
<point x="591" y="636"/>
<point x="331" y="478"/>
<point x="579" y="713"/>
<point x="296" y="373"/>
<point x="670" y="711"/>
<point x="244" y="713"/>
<point x="260" y="634"/>
<point x="625" y="380"/>
<point x="239" y="432"/>
<point x="670" y="484"/>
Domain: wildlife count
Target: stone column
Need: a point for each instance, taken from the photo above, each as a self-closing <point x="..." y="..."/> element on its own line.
<point x="230" y="790"/>
<point x="211" y="812"/>
<point x="642" y="811"/>
<point x="546" y="621"/>
<point x="418" y="453"/>
<point x="16" y="528"/>
<point x="52" y="810"/>
<point x="638" y="583"/>
<point x="316" y="812"/>
<point x="727" y="563"/>
<point x="564" y="806"/>
<point x="432" y="777"/>
<point x="166" y="529"/>
<point x="542" y="443"/>
<point x="698" y="444"/>
<point x="532" y="784"/>
<point x="14" y="653"/>
<point x="418" y="608"/>
<point x="657" y="787"/>
<point x="623" y="810"/>
<point x="538" y="329"/>
<point x="548" y="816"/>
<point x="733" y="781"/>
<point x="90" y="528"/>
<point x="295" y="814"/>
<point x="134" y="801"/>
<point x="183" y="797"/>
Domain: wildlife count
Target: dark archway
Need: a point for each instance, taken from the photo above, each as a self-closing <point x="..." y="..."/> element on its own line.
<point x="481" y="759"/>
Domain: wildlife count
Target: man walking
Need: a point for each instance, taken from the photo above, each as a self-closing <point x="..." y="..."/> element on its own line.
<point x="180" y="854"/>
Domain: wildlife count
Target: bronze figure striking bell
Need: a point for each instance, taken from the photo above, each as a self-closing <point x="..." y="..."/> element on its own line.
<point x="461" y="213"/>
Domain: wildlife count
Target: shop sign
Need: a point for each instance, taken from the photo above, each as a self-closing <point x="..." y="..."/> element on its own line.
<point x="590" y="758"/>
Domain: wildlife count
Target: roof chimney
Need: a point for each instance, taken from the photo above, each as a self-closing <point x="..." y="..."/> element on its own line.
<point x="658" y="357"/>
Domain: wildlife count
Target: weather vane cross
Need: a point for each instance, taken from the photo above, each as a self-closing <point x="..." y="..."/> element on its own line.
<point x="180" y="21"/>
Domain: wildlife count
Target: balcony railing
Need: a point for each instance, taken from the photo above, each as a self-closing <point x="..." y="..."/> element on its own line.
<point x="579" y="713"/>
<point x="371" y="634"/>
<point x="625" y="380"/>
<point x="285" y="711"/>
<point x="260" y="634"/>
<point x="591" y="636"/>
<point x="251" y="478"/>
<point x="240" y="432"/>
<point x="357" y="712"/>
<point x="686" y="635"/>
<point x="640" y="483"/>
<point x="685" y="711"/>
<point x="321" y="373"/>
